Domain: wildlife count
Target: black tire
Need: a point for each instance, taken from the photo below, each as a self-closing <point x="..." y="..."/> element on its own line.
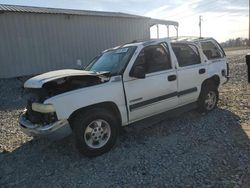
<point x="83" y="119"/>
<point x="208" y="89"/>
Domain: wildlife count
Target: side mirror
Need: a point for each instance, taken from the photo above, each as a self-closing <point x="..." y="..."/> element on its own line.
<point x="138" y="72"/>
<point x="78" y="64"/>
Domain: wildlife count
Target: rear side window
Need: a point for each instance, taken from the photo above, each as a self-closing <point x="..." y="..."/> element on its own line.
<point x="211" y="50"/>
<point x="186" y="54"/>
<point x="154" y="59"/>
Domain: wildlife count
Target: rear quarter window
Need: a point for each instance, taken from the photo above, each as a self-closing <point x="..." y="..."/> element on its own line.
<point x="211" y="50"/>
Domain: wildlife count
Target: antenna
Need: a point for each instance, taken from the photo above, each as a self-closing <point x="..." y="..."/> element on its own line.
<point x="200" y="19"/>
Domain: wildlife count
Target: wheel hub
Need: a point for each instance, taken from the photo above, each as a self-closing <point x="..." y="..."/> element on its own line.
<point x="97" y="133"/>
<point x="210" y="100"/>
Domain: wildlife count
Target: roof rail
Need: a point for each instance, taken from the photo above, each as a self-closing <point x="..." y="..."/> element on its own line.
<point x="185" y="38"/>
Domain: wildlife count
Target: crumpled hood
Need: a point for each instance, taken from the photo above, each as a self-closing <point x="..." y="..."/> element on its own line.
<point x="38" y="81"/>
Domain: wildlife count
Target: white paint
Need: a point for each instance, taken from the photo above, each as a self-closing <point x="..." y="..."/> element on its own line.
<point x="38" y="81"/>
<point x="154" y="85"/>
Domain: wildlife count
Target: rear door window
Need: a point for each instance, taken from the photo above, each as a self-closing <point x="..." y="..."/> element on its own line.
<point x="186" y="54"/>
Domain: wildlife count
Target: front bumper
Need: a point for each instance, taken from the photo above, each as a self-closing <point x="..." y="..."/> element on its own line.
<point x="56" y="130"/>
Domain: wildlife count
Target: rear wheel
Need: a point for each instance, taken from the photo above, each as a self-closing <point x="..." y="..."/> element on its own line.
<point x="95" y="131"/>
<point x="208" y="98"/>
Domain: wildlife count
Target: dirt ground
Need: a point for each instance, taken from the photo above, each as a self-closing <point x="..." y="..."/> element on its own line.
<point x="191" y="150"/>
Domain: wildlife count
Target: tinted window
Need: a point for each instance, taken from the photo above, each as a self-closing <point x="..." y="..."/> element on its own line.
<point x="211" y="50"/>
<point x="154" y="59"/>
<point x="186" y="54"/>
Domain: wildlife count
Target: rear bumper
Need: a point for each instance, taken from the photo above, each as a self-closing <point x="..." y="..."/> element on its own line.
<point x="226" y="79"/>
<point x="56" y="130"/>
<point x="225" y="74"/>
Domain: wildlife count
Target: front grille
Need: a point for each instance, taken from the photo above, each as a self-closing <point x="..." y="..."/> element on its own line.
<point x="34" y="117"/>
<point x="39" y="118"/>
<point x="38" y="95"/>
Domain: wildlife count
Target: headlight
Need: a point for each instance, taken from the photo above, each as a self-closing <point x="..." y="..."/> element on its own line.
<point x="43" y="108"/>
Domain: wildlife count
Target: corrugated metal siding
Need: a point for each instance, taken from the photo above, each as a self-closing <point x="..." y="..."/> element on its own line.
<point x="35" y="43"/>
<point x="29" y="9"/>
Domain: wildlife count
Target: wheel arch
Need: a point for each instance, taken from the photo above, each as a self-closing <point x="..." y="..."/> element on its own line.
<point x="215" y="79"/>
<point x="108" y="105"/>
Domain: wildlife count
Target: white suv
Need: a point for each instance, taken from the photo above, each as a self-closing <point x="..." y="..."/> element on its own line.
<point x="123" y="85"/>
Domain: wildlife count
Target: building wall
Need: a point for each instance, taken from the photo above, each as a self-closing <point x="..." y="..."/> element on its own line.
<point x="33" y="43"/>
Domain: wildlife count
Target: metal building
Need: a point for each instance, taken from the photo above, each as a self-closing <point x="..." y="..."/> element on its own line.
<point x="35" y="40"/>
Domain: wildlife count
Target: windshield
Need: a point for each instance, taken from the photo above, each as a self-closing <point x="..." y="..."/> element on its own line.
<point x="113" y="61"/>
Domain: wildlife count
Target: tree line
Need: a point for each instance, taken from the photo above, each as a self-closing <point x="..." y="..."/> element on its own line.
<point x="235" y="42"/>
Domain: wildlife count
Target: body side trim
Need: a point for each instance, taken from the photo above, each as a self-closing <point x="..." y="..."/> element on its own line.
<point x="187" y="91"/>
<point x="160" y="98"/>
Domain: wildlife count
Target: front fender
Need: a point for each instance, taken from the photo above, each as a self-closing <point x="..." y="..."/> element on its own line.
<point x="68" y="102"/>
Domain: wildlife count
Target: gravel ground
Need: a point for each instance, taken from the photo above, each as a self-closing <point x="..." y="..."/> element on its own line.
<point x="193" y="150"/>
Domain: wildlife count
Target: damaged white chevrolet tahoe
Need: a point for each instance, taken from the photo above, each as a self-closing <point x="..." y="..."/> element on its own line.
<point x="123" y="85"/>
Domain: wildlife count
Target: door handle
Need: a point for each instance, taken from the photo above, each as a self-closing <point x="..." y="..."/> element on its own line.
<point x="172" y="78"/>
<point x="202" y="71"/>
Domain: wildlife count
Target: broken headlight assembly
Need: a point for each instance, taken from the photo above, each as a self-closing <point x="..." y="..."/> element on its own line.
<point x="43" y="108"/>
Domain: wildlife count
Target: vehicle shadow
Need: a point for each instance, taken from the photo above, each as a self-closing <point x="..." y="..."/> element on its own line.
<point x="188" y="150"/>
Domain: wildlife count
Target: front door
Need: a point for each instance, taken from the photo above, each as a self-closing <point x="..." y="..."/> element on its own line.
<point x="157" y="92"/>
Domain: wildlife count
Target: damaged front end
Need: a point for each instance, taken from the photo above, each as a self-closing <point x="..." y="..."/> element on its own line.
<point x="36" y="112"/>
<point x="40" y="119"/>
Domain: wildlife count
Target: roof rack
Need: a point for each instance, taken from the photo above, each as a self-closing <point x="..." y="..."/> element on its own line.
<point x="186" y="38"/>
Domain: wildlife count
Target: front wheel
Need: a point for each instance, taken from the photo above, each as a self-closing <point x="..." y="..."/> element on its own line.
<point x="208" y="98"/>
<point x="95" y="131"/>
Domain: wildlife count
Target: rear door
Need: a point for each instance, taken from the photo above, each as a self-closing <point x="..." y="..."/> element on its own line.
<point x="191" y="71"/>
<point x="157" y="91"/>
<point x="216" y="58"/>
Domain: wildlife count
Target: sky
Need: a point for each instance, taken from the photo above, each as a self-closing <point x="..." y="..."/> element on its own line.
<point x="221" y="19"/>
